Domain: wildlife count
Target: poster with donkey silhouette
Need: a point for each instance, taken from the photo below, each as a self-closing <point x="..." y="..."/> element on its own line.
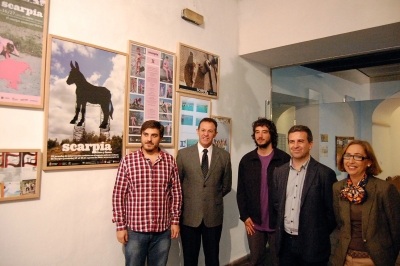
<point x="84" y="105"/>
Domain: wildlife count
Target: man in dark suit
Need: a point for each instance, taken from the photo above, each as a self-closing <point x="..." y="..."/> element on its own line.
<point x="205" y="172"/>
<point x="304" y="202"/>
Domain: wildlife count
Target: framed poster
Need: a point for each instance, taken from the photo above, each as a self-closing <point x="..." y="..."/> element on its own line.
<point x="224" y="136"/>
<point x="85" y="99"/>
<point x="191" y="111"/>
<point x="151" y="92"/>
<point x="198" y="71"/>
<point x="324" y="137"/>
<point x="19" y="174"/>
<point x="23" y="32"/>
<point x="341" y="142"/>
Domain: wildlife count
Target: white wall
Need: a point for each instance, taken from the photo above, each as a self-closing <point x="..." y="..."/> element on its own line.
<point x="71" y="222"/>
<point x="270" y="24"/>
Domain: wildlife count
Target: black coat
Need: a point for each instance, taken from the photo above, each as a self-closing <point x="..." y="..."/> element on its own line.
<point x="317" y="219"/>
<point x="249" y="185"/>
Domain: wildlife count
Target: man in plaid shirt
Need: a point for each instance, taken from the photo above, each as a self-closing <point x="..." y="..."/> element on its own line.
<point x="147" y="200"/>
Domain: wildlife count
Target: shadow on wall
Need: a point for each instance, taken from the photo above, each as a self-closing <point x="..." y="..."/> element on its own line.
<point x="231" y="220"/>
<point x="236" y="96"/>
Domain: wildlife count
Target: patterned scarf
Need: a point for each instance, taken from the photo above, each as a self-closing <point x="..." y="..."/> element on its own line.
<point x="354" y="193"/>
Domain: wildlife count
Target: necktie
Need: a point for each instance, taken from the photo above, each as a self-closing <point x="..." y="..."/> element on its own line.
<point x="204" y="163"/>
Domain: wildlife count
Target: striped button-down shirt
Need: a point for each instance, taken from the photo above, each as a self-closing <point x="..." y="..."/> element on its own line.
<point x="147" y="197"/>
<point x="294" y="191"/>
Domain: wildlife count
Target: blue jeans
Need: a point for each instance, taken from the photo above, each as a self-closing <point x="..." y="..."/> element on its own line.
<point x="154" y="246"/>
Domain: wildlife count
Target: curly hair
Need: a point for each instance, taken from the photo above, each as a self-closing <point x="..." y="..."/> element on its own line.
<point x="261" y="122"/>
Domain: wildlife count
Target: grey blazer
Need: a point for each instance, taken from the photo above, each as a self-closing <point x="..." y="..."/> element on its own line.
<point x="380" y="222"/>
<point x="203" y="197"/>
<point x="317" y="219"/>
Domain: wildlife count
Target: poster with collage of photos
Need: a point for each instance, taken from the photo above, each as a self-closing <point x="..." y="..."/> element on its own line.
<point x="151" y="91"/>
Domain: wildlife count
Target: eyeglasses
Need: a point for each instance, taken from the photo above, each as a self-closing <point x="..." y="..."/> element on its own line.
<point x="355" y="157"/>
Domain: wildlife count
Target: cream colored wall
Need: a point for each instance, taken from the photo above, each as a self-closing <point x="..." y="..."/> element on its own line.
<point x="394" y="144"/>
<point x="385" y="133"/>
<point x="386" y="144"/>
<point x="71" y="222"/>
<point x="381" y="141"/>
<point x="285" y="121"/>
<point x="269" y="24"/>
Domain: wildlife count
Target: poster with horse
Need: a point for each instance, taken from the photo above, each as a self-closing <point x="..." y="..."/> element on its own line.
<point x="198" y="72"/>
<point x="84" y="105"/>
<point x="23" y="32"/>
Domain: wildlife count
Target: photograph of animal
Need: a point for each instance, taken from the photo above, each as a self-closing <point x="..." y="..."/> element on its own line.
<point x="88" y="93"/>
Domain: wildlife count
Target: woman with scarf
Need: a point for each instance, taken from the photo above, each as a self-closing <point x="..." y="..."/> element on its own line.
<point x="367" y="211"/>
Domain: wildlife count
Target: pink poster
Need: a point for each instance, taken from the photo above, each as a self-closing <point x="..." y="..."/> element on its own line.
<point x="150" y="91"/>
<point x="22" y="50"/>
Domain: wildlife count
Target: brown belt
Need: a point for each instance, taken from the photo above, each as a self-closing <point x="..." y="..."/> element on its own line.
<point x="357" y="254"/>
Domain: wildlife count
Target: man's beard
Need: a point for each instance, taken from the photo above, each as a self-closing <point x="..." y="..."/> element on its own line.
<point x="153" y="147"/>
<point x="264" y="145"/>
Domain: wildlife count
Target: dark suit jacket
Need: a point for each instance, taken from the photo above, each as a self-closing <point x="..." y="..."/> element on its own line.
<point x="203" y="197"/>
<point x="380" y="222"/>
<point x="317" y="220"/>
<point x="249" y="185"/>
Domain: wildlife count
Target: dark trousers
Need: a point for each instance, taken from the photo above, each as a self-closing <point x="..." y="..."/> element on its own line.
<point x="191" y="239"/>
<point x="290" y="255"/>
<point x="257" y="245"/>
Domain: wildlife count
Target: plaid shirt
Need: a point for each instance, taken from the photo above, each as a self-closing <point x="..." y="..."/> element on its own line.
<point x="147" y="198"/>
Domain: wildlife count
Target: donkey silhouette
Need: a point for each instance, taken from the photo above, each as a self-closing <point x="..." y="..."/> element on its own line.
<point x="86" y="92"/>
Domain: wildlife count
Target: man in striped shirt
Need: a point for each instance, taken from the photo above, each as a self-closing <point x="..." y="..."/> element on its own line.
<point x="147" y="200"/>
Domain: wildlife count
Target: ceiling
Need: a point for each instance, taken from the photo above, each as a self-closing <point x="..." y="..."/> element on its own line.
<point x="373" y="65"/>
<point x="373" y="51"/>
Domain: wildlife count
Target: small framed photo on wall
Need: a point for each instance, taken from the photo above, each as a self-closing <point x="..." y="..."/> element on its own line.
<point x="198" y="72"/>
<point x="19" y="174"/>
<point x="341" y="142"/>
<point x="224" y="136"/>
<point x="191" y="111"/>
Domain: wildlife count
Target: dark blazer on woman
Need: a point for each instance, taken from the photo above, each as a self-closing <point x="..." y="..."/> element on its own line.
<point x="380" y="222"/>
<point x="317" y="220"/>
